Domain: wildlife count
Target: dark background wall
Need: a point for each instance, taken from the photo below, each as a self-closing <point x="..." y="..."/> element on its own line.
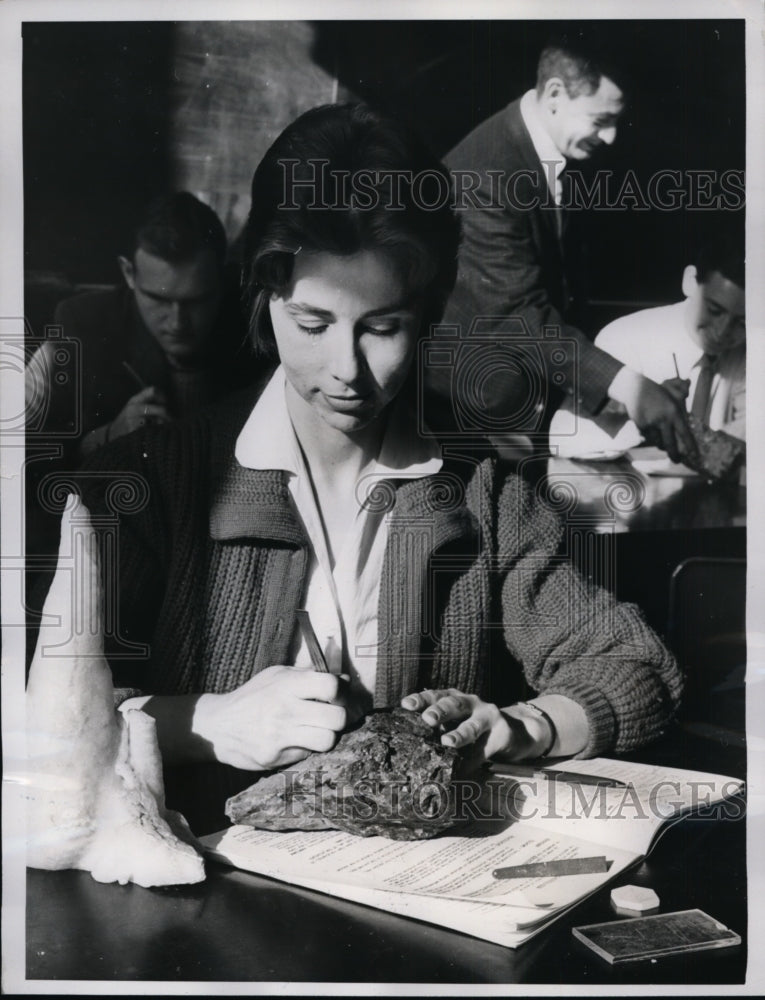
<point x="114" y="112"/>
<point x="96" y="115"/>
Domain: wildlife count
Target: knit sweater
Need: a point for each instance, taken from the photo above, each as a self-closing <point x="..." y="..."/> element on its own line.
<point x="474" y="594"/>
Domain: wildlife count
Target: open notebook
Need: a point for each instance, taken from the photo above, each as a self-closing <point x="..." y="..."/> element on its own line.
<point x="449" y="881"/>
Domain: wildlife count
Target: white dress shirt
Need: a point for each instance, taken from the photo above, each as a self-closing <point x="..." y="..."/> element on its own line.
<point x="648" y="342"/>
<point x="342" y="602"/>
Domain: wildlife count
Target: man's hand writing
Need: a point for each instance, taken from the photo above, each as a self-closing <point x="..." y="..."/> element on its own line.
<point x="659" y="412"/>
<point x="147" y="406"/>
<point x="678" y="387"/>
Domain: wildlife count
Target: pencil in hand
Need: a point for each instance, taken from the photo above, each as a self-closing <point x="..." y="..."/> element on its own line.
<point x="317" y="656"/>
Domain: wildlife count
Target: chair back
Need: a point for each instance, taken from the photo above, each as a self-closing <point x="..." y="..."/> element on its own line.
<point x="706" y="630"/>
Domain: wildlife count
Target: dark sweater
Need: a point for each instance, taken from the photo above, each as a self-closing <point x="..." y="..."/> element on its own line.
<point x="93" y="386"/>
<point x="212" y="567"/>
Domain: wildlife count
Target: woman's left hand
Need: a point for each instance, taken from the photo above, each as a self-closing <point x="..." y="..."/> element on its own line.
<point x="468" y="720"/>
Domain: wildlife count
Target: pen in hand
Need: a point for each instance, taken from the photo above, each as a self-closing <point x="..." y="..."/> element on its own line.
<point x="677" y="387"/>
<point x="134" y="375"/>
<point x="317" y="656"/>
<point x="353" y="705"/>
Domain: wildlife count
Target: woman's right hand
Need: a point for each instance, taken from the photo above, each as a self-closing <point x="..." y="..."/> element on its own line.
<point x="276" y="718"/>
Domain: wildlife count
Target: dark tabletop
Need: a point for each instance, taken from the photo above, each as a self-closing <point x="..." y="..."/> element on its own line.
<point x="616" y="497"/>
<point x="241" y="927"/>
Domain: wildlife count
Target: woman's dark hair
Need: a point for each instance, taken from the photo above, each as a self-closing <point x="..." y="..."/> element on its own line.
<point x="341" y="179"/>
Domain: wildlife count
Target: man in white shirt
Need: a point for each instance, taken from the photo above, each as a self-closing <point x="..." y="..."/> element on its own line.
<point x="696" y="348"/>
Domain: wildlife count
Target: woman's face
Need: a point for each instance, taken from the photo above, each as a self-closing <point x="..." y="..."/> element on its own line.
<point x="346" y="335"/>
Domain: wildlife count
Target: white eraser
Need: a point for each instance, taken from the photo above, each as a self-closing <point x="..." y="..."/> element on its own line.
<point x="634" y="899"/>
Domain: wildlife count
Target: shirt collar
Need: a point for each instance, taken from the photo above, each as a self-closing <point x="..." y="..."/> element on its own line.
<point x="268" y="441"/>
<point x="548" y="153"/>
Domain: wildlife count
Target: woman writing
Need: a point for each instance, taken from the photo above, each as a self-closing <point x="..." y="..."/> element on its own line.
<point x="432" y="580"/>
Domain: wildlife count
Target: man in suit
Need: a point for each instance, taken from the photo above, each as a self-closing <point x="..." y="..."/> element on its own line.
<point x="517" y="281"/>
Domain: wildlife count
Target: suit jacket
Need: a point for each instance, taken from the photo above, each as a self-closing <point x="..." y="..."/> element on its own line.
<point x="512" y="264"/>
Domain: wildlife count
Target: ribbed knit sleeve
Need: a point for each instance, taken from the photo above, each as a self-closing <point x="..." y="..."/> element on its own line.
<point x="575" y="639"/>
<point x="202" y="610"/>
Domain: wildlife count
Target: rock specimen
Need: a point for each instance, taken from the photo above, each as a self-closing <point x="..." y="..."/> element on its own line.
<point x="720" y="453"/>
<point x="93" y="776"/>
<point x="391" y="777"/>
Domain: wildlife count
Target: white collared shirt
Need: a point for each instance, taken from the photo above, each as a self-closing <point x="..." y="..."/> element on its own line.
<point x="651" y="342"/>
<point x="551" y="158"/>
<point x="341" y="602"/>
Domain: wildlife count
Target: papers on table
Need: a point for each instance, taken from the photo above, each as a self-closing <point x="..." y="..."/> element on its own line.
<point x="655" y="462"/>
<point x="449" y="881"/>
